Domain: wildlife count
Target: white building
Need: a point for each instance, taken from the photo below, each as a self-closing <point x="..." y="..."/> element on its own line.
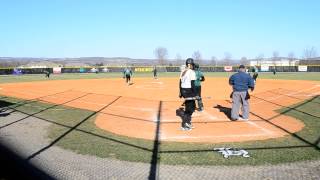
<point x="41" y="64"/>
<point x="271" y="62"/>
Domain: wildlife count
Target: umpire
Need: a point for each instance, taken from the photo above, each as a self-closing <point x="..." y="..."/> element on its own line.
<point x="240" y="83"/>
<point x="188" y="91"/>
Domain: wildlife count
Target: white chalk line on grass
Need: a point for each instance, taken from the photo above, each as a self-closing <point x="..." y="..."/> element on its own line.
<point x="289" y="94"/>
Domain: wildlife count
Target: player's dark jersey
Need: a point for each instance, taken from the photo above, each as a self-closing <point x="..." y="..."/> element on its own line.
<point x="255" y="76"/>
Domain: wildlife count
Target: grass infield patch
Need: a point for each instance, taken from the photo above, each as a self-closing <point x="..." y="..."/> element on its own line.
<point x="88" y="139"/>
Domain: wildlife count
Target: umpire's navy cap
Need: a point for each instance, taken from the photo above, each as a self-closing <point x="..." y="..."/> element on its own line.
<point x="242" y="66"/>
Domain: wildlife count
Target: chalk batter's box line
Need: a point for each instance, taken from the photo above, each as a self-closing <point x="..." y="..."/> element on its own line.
<point x="164" y="137"/>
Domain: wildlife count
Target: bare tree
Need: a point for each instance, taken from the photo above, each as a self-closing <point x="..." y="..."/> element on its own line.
<point x="291" y="57"/>
<point x="161" y="54"/>
<point x="275" y="57"/>
<point x="275" y="54"/>
<point x="227" y="58"/>
<point x="244" y="61"/>
<point x="197" y="56"/>
<point x="259" y="58"/>
<point x="309" y="53"/>
<point x="214" y="61"/>
<point x="179" y="59"/>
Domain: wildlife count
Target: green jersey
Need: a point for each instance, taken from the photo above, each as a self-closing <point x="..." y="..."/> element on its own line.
<point x="199" y="78"/>
<point x="127" y="72"/>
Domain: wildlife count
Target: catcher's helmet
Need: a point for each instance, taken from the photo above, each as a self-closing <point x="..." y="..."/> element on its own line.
<point x="189" y="61"/>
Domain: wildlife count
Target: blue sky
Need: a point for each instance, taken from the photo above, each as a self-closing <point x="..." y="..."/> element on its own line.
<point x="134" y="28"/>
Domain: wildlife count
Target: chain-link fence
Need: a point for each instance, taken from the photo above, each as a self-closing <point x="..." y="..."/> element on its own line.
<point x="307" y="68"/>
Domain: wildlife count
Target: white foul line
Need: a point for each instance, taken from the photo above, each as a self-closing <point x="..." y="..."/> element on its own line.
<point x="293" y="93"/>
<point x="259" y="127"/>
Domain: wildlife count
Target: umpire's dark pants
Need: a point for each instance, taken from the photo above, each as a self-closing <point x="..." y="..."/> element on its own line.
<point x="190" y="106"/>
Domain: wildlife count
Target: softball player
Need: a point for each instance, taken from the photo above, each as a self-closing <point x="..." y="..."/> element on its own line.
<point x="47" y="72"/>
<point x="255" y="74"/>
<point x="187" y="91"/>
<point x="127" y="73"/>
<point x="155" y="72"/>
<point x="199" y="78"/>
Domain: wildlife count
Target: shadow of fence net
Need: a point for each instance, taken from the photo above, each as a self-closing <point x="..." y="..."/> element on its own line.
<point x="122" y="137"/>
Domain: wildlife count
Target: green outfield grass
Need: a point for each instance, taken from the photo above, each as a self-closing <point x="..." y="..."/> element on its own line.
<point x="88" y="139"/>
<point x="41" y="77"/>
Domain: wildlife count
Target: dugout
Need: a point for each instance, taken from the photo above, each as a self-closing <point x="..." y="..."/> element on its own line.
<point x="35" y="70"/>
<point x="6" y="71"/>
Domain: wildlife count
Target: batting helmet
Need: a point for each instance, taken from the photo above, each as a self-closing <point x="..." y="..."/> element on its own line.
<point x="189" y="61"/>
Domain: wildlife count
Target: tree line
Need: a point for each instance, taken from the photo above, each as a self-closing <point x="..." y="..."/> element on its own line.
<point x="161" y="54"/>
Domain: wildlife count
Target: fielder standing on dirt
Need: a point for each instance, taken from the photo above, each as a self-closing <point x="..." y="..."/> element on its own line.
<point x="155" y="72"/>
<point x="188" y="91"/>
<point x="199" y="78"/>
<point x="127" y="73"/>
<point x="240" y="83"/>
<point x="255" y="74"/>
<point x="47" y="72"/>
